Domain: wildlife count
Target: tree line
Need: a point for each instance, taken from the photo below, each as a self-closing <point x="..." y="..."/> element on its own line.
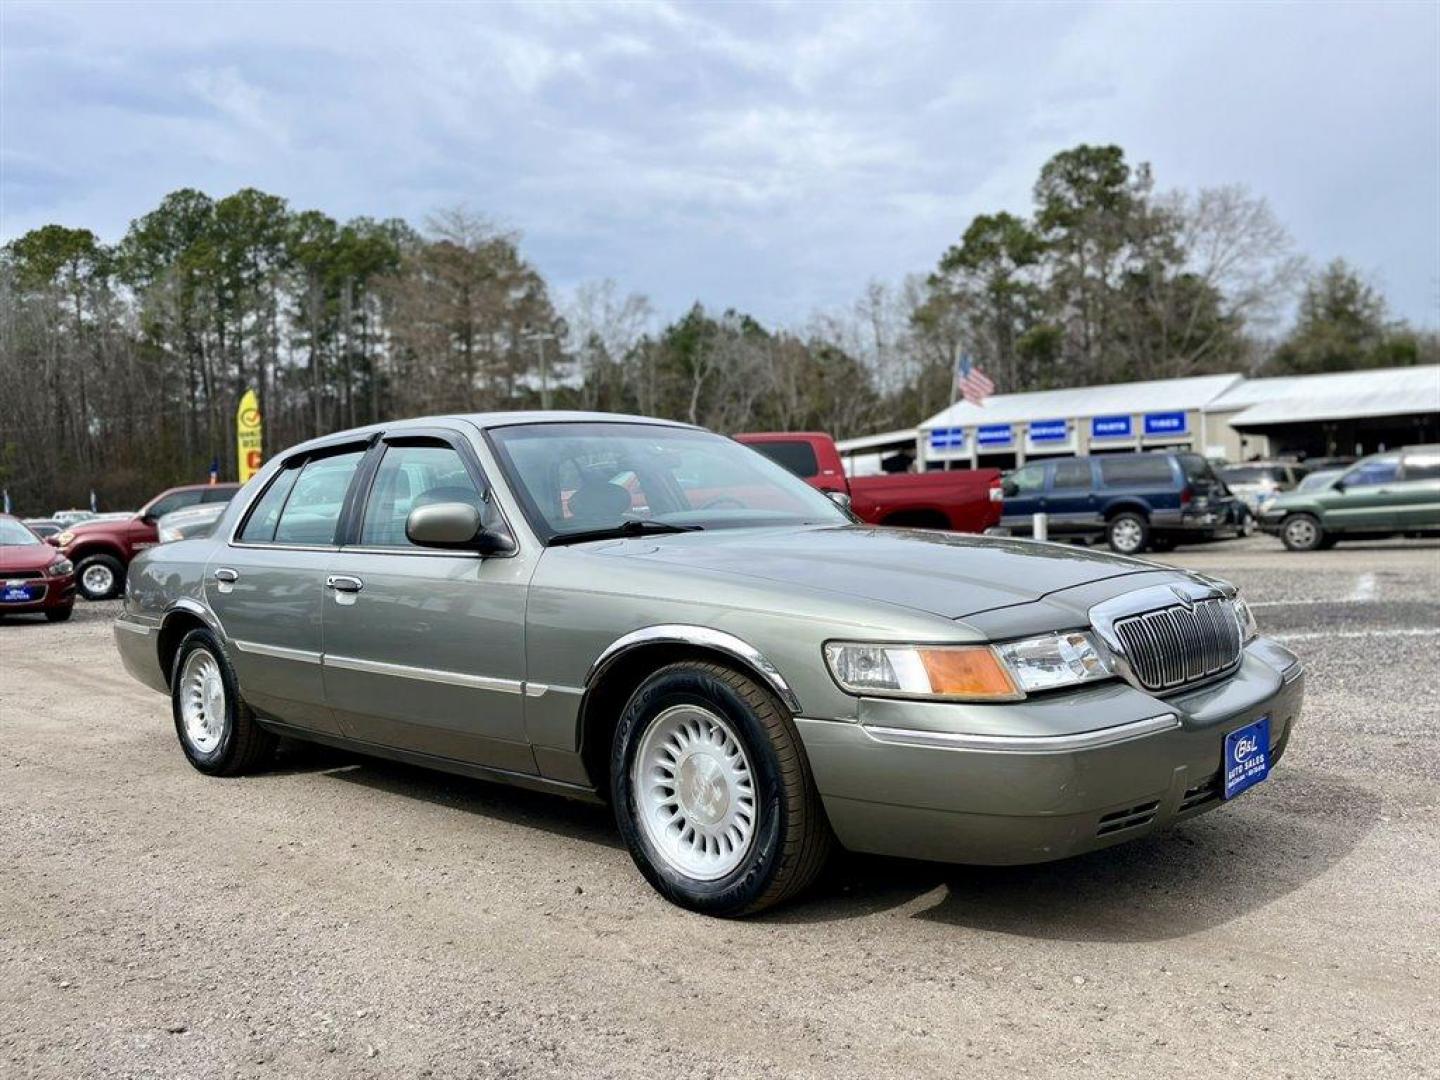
<point x="121" y="364"/>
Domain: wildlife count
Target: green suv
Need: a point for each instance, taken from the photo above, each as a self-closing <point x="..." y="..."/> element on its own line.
<point x="1381" y="495"/>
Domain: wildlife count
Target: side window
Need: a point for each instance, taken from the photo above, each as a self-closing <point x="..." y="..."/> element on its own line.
<point x="1030" y="478"/>
<point x="1072" y="474"/>
<point x="1423" y="466"/>
<point x="410" y="477"/>
<point x="797" y="456"/>
<point x="1373" y="471"/>
<point x="176" y="501"/>
<point x="1143" y="470"/>
<point x="313" y="510"/>
<point x="265" y="515"/>
<point x="218" y="494"/>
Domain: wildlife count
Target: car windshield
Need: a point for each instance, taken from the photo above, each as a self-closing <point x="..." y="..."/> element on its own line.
<point x="1252" y="474"/>
<point x="576" y="478"/>
<point x="13" y="534"/>
<point x="1317" y="480"/>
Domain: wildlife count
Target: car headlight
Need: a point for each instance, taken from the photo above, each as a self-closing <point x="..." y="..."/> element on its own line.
<point x="1246" y="618"/>
<point x="966" y="672"/>
<point x="61" y="567"/>
<point x="65" y="539"/>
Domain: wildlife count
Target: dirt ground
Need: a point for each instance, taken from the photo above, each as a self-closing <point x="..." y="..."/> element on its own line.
<point x="345" y="917"/>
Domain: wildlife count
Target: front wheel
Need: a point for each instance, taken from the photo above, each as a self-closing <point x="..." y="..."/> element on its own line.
<point x="1127" y="533"/>
<point x="99" y="577"/>
<point x="713" y="793"/>
<point x="1302" y="532"/>
<point x="60" y="614"/>
<point x="217" y="730"/>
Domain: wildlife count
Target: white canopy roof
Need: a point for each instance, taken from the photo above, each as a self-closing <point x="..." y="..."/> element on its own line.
<point x="1342" y="395"/>
<point x="1081" y="401"/>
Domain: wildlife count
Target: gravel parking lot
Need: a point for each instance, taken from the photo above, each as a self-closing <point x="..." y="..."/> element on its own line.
<point x="341" y="916"/>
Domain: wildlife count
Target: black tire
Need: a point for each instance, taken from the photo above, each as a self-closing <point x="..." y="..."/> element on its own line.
<point x="60" y="614"/>
<point x="116" y="580"/>
<point x="244" y="746"/>
<point x="1124" y="526"/>
<point x="792" y="836"/>
<point x="1162" y="543"/>
<point x="1303" y="532"/>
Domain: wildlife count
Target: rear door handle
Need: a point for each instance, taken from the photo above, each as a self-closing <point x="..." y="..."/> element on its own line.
<point x="225" y="574"/>
<point x="344" y="583"/>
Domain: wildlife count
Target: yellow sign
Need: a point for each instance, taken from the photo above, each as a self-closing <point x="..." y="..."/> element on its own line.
<point x="247" y="436"/>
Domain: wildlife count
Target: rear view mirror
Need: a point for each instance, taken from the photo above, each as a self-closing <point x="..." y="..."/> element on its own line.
<point x="454" y="526"/>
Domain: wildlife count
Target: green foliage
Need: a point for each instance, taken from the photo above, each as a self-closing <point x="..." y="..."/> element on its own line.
<point x="1342" y="324"/>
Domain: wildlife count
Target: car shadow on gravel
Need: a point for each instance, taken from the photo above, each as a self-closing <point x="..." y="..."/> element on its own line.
<point x="1188" y="879"/>
<point x="501" y="802"/>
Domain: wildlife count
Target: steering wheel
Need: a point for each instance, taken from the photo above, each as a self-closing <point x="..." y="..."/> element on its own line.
<point x="724" y="502"/>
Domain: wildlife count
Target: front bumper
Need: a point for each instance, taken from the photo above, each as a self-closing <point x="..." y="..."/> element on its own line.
<point x="55" y="593"/>
<point x="1045" y="778"/>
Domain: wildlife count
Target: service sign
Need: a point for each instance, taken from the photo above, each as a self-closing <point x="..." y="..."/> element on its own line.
<point x="1049" y="431"/>
<point x="989" y="435"/>
<point x="1165" y="423"/>
<point x="1110" y="427"/>
<point x="952" y="438"/>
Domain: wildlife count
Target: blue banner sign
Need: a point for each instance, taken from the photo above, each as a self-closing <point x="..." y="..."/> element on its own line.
<point x="1165" y="423"/>
<point x="993" y="435"/>
<point x="951" y="438"/>
<point x="1049" y="431"/>
<point x="1109" y="427"/>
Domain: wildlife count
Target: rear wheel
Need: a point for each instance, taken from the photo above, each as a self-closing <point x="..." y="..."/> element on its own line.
<point x="217" y="730"/>
<point x="713" y="793"/>
<point x="99" y="577"/>
<point x="1302" y="532"/>
<point x="1127" y="533"/>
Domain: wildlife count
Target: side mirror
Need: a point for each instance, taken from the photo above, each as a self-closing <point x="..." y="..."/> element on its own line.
<point x="1338" y="485"/>
<point x="454" y="526"/>
<point x="1010" y="488"/>
<point x="839" y="498"/>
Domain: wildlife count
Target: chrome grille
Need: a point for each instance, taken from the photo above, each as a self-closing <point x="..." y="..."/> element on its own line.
<point x="1175" y="646"/>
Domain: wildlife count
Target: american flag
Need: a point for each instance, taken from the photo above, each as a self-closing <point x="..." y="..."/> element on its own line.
<point x="971" y="383"/>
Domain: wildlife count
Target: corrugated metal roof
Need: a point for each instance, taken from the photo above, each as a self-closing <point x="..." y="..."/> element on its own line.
<point x="869" y="442"/>
<point x="1339" y="396"/>
<point x="1422" y="384"/>
<point x="1080" y="401"/>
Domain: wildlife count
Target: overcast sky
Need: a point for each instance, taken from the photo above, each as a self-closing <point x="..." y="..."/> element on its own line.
<point x="771" y="158"/>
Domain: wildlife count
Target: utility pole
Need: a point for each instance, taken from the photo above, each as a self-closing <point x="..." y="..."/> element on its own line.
<point x="540" y="337"/>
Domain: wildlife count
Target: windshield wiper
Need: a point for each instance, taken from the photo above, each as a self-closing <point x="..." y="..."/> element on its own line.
<point x="624" y="529"/>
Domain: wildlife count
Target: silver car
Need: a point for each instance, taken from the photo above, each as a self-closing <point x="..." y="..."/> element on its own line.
<point x="641" y="612"/>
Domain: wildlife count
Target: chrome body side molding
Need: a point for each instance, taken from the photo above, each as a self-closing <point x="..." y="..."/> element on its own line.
<point x="702" y="637"/>
<point x="434" y="675"/>
<point x="304" y="656"/>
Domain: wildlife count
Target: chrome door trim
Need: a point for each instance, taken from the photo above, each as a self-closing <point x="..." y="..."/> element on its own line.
<point x="423" y="674"/>
<point x="278" y="652"/>
<point x="1024" y="744"/>
<point x="704" y="637"/>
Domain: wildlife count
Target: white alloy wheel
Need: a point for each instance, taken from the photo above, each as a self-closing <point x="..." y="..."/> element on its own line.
<point x="694" y="792"/>
<point x="98" y="579"/>
<point x="1301" y="532"/>
<point x="202" y="701"/>
<point x="1126" y="535"/>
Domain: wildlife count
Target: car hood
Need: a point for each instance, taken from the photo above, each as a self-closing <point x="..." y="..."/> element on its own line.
<point x="17" y="557"/>
<point x="941" y="573"/>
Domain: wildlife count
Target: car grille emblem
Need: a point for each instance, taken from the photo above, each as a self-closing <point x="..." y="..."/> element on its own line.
<point x="1182" y="597"/>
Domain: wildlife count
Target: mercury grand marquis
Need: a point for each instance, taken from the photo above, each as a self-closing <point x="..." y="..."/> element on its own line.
<point x="645" y="613"/>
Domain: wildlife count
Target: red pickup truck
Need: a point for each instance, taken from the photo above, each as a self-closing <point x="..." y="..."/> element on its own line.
<point x="101" y="550"/>
<point x="968" y="500"/>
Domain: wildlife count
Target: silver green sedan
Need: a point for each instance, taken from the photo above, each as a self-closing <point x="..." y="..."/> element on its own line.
<point x="640" y="612"/>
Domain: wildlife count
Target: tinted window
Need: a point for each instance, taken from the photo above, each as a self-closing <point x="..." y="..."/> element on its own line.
<point x="1424" y="466"/>
<point x="1030" y="478"/>
<point x="265" y="514"/>
<point x="176" y="500"/>
<point x="313" y="509"/>
<point x="410" y="477"/>
<point x="798" y="456"/>
<point x="1372" y="471"/>
<point x="218" y="494"/>
<point x="1072" y="474"/>
<point x="1150" y="470"/>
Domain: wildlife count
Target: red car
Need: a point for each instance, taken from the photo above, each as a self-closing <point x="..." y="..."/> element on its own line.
<point x="101" y="550"/>
<point x="967" y="500"/>
<point x="34" y="577"/>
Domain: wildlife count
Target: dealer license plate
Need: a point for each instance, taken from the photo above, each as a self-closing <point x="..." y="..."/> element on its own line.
<point x="15" y="594"/>
<point x="1247" y="757"/>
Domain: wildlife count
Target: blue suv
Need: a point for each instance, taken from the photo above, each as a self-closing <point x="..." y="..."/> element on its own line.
<point x="1135" y="501"/>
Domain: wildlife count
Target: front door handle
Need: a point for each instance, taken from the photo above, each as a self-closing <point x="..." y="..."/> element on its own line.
<point x="226" y="575"/>
<point x="344" y="583"/>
